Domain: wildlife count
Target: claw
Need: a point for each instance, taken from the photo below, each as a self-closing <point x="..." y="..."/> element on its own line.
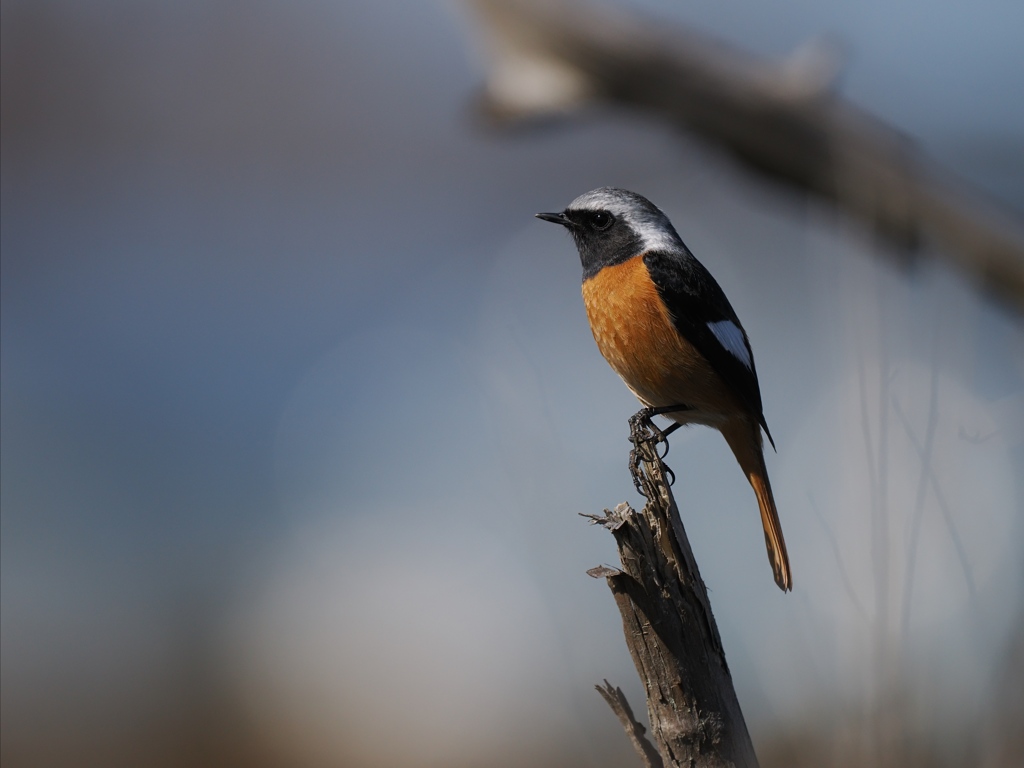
<point x="670" y="476"/>
<point x="643" y="430"/>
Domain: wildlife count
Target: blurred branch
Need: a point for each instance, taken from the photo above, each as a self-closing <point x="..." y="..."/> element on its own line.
<point x="924" y="454"/>
<point x="780" y="118"/>
<point x="672" y="636"/>
<point x="840" y="564"/>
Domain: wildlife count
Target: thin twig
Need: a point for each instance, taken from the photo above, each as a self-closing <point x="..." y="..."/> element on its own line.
<point x="922" y="480"/>
<point x="847" y="583"/>
<point x="637" y="733"/>
<point x="940" y="497"/>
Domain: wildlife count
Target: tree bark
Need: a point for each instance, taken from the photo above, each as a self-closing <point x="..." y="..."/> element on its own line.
<point x="671" y="633"/>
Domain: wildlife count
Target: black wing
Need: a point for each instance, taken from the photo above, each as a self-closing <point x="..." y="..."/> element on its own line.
<point x="694" y="301"/>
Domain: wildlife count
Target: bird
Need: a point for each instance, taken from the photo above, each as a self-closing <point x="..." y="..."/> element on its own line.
<point x="667" y="329"/>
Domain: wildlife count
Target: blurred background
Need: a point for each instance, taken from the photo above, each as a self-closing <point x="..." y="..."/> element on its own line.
<point x="300" y="405"/>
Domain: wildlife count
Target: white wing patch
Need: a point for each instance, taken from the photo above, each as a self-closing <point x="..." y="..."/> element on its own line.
<point x="730" y="336"/>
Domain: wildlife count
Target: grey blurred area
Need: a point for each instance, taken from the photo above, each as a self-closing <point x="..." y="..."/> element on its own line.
<point x="299" y="403"/>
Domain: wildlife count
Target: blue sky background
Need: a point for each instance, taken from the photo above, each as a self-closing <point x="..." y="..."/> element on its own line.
<point x="300" y="404"/>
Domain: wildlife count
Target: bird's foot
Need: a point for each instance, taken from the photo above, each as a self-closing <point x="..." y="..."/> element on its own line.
<point x="643" y="432"/>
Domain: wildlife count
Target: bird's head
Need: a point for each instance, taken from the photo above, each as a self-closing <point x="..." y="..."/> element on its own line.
<point x="612" y="225"/>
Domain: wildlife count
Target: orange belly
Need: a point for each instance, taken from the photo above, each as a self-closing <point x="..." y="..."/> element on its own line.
<point x="635" y="333"/>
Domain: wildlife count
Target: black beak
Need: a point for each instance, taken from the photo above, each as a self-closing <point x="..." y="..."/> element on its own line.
<point x="555" y="218"/>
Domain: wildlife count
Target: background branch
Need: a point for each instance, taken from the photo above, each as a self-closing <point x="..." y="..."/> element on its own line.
<point x="782" y="119"/>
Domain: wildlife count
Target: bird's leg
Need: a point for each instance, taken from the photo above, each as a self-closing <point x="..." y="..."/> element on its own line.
<point x="663" y="409"/>
<point x="642" y="429"/>
<point x="642" y="422"/>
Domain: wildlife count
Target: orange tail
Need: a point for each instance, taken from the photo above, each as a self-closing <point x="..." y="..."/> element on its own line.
<point x="744" y="438"/>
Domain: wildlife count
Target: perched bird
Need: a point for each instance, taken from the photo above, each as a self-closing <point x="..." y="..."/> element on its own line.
<point x="666" y="327"/>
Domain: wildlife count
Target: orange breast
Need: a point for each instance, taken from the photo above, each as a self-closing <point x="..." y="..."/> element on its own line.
<point x="634" y="332"/>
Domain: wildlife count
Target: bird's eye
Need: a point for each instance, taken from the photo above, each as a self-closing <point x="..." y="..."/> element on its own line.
<point x="601" y="219"/>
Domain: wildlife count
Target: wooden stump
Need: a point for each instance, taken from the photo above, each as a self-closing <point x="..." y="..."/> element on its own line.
<point x="671" y="634"/>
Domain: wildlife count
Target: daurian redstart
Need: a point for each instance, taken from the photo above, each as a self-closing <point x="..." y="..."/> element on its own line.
<point x="666" y="327"/>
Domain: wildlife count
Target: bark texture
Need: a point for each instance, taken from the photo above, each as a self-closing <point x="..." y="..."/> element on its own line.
<point x="671" y="634"/>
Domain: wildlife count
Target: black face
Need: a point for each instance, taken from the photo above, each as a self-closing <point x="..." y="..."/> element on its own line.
<point x="601" y="238"/>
